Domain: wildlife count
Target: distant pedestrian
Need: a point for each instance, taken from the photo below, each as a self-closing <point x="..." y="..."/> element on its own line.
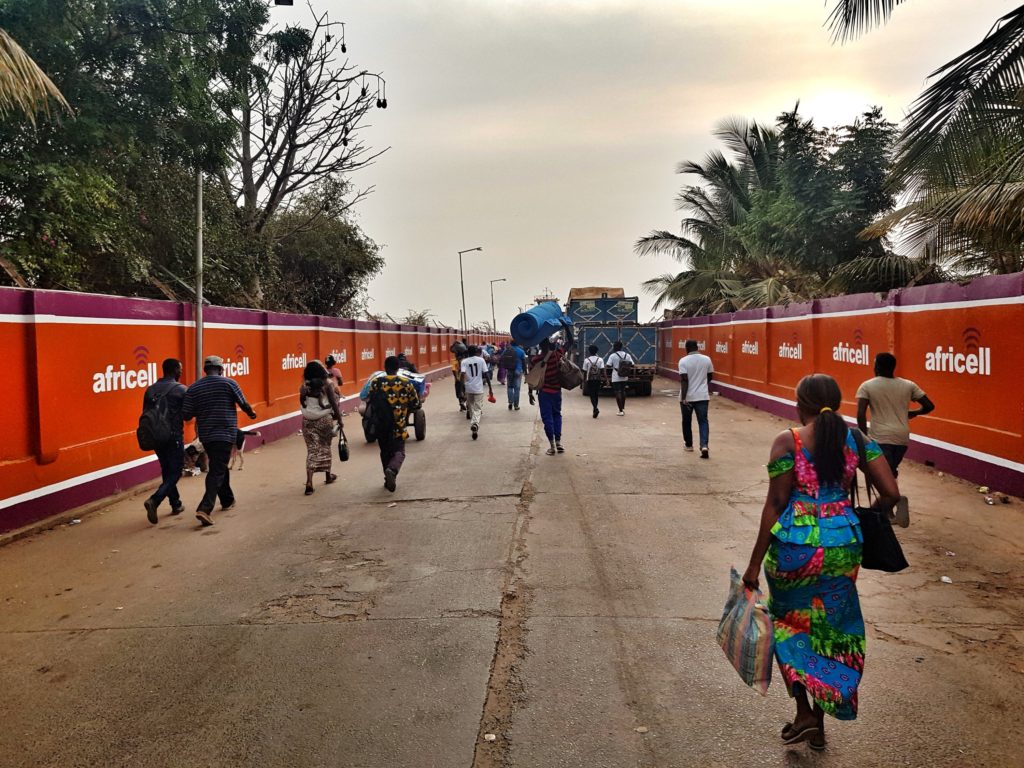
<point x="405" y="364"/>
<point x="391" y="399"/>
<point x="531" y="353"/>
<point x="695" y="372"/>
<point x="321" y="415"/>
<point x="888" y="397"/>
<point x="162" y="403"/>
<point x="213" y="402"/>
<point x="331" y="363"/>
<point x="621" y="363"/>
<point x="550" y="395"/>
<point x="502" y="372"/>
<point x="474" y="372"/>
<point x="459" y="350"/>
<point x="513" y="364"/>
<point x="487" y="352"/>
<point x="594" y="376"/>
<point x="810" y="543"/>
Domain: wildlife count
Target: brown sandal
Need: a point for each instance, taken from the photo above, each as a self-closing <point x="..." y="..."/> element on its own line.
<point x="330" y="479"/>
<point x="309" y="490"/>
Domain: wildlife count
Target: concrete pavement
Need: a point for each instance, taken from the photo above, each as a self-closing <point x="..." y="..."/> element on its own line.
<point x="558" y="603"/>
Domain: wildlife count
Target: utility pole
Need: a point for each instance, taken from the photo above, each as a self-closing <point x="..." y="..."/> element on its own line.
<point x="494" y="321"/>
<point x="199" y="273"/>
<point x="462" y="284"/>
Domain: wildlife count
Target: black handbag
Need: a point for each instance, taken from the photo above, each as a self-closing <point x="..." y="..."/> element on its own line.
<point x="882" y="550"/>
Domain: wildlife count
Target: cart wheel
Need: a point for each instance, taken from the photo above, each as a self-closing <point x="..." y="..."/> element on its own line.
<point x="419" y="422"/>
<point x="646" y="388"/>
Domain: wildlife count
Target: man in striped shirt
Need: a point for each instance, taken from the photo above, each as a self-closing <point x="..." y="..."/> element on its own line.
<point x="551" y="391"/>
<point x="213" y="402"/>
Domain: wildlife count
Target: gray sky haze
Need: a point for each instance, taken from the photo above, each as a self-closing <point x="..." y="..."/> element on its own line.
<point x="548" y="131"/>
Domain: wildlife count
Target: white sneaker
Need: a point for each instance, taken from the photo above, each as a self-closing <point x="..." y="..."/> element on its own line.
<point x="688" y="448"/>
<point x="622" y="413"/>
<point x="901" y="512"/>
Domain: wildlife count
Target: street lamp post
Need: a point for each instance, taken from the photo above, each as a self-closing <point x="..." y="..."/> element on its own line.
<point x="462" y="284"/>
<point x="494" y="320"/>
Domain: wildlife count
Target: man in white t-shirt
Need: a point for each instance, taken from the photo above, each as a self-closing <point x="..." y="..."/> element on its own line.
<point x="621" y="363"/>
<point x="474" y="369"/>
<point x="695" y="371"/>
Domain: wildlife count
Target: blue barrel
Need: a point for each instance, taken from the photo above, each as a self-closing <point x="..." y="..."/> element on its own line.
<point x="538" y="323"/>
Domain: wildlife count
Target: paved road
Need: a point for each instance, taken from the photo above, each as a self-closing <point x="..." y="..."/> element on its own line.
<point x="559" y="603"/>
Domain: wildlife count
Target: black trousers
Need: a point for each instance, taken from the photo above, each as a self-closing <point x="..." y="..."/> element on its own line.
<point x="893" y="455"/>
<point x="594" y="391"/>
<point x="172" y="459"/>
<point x="218" y="478"/>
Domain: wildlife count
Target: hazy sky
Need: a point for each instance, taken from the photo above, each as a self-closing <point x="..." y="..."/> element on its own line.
<point x="548" y="131"/>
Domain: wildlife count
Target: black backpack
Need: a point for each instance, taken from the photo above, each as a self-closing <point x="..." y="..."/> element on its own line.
<point x="155" y="425"/>
<point x="380" y="413"/>
<point x="509" y="358"/>
<point x="625" y="366"/>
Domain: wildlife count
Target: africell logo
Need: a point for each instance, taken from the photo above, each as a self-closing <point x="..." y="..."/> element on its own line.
<point x="118" y="376"/>
<point x="390" y="352"/>
<point x="367" y="354"/>
<point x="722" y="347"/>
<point x="339" y="355"/>
<point x="750" y="348"/>
<point x="791" y="351"/>
<point x="857" y="353"/>
<point x="975" y="361"/>
<point x="238" y="365"/>
<point x="701" y="346"/>
<point x="293" y="362"/>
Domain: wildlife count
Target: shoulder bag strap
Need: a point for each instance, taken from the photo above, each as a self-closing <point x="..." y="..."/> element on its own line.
<point x="862" y="454"/>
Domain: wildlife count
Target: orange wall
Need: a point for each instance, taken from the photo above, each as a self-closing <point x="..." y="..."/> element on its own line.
<point x="973" y="331"/>
<point x="66" y="418"/>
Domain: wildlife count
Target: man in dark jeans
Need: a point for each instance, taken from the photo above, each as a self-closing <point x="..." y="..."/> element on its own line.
<point x="695" y="372"/>
<point x="212" y="401"/>
<point x="172" y="454"/>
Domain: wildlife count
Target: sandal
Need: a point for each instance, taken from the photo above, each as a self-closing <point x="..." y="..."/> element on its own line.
<point x="817" y="742"/>
<point x="309" y="490"/>
<point x="795" y="737"/>
<point x="550" y="451"/>
<point x="330" y="479"/>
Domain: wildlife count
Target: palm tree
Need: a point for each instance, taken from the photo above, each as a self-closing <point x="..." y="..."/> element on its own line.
<point x="961" y="153"/>
<point x="723" y="273"/>
<point x="24" y="87"/>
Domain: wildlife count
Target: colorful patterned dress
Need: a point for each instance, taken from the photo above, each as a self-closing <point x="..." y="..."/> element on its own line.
<point x="812" y="566"/>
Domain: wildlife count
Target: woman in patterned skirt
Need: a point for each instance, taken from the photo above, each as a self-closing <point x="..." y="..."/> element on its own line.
<point x="812" y="540"/>
<point x="318" y="400"/>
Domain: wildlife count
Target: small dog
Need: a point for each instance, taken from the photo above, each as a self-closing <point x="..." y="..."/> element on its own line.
<point x="238" y="449"/>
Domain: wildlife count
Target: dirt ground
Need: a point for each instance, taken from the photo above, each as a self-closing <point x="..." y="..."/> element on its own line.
<point x="503" y="608"/>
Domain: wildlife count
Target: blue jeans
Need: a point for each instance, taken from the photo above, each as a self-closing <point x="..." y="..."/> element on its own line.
<point x="551" y="414"/>
<point x="701" y="409"/>
<point x="513" y="380"/>
<point x="172" y="459"/>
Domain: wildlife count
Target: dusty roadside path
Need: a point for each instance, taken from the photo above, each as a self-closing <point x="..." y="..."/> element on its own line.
<point x="558" y="603"/>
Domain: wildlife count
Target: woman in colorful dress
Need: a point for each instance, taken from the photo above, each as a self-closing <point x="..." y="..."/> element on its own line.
<point x="319" y="402"/>
<point x="812" y="539"/>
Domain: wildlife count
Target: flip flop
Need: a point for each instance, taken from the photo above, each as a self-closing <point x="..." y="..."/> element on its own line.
<point x="330" y="479"/>
<point x="309" y="490"/>
<point x="796" y="737"/>
<point x="817" y="746"/>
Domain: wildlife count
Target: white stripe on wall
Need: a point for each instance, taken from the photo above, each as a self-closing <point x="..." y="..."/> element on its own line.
<point x="99" y="474"/>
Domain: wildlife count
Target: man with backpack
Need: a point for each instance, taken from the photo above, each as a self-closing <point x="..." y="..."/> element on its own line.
<point x="390" y="400"/>
<point x="594" y="376"/>
<point x="513" y="364"/>
<point x="161" y="430"/>
<point x="621" y="363"/>
<point x="214" y="401"/>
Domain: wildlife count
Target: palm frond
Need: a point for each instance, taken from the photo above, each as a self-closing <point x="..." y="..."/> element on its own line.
<point x="852" y="17"/>
<point x="877" y="274"/>
<point x="661" y="242"/>
<point x="24" y="87"/>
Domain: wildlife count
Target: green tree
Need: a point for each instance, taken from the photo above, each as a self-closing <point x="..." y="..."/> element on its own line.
<point x="961" y="152"/>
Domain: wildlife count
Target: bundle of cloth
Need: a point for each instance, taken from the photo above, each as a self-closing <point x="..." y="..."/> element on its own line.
<point x="538" y="323"/>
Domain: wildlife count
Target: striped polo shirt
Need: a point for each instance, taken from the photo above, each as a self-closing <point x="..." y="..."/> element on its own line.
<point x="213" y="401"/>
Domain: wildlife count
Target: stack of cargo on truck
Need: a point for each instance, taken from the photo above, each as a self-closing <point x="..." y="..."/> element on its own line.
<point x="602" y="316"/>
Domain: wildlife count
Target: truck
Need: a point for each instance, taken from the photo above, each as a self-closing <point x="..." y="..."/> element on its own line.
<point x="602" y="316"/>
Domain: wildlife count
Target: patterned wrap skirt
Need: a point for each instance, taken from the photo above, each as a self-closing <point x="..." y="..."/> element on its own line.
<point x="318" y="434"/>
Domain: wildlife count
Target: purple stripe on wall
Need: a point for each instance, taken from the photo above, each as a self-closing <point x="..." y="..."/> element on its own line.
<point x="944" y="459"/>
